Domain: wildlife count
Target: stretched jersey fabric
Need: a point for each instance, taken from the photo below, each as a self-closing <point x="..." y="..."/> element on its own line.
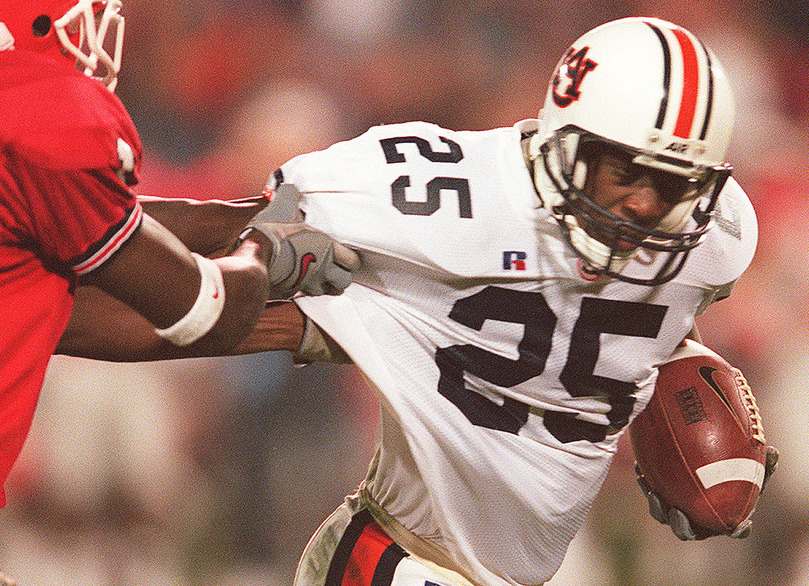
<point x="68" y="151"/>
<point x="505" y="375"/>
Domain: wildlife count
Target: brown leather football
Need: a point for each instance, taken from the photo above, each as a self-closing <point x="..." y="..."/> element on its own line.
<point x="700" y="443"/>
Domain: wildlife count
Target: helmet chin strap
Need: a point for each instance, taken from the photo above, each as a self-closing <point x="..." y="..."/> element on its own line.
<point x="595" y="253"/>
<point x="549" y="195"/>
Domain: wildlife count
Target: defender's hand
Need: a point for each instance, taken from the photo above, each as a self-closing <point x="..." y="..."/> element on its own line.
<point x="306" y="260"/>
<point x="680" y="524"/>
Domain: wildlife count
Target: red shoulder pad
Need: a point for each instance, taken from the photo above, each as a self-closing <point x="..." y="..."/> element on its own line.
<point x="57" y="118"/>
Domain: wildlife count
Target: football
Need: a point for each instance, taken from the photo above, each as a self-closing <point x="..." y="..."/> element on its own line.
<point x="700" y="443"/>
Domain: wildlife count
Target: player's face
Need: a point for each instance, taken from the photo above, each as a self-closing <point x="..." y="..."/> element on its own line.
<point x="630" y="192"/>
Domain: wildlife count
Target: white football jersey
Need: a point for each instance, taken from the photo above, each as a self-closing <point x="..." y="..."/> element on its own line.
<point x="505" y="377"/>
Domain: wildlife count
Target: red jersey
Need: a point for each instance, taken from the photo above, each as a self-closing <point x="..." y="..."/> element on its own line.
<point x="68" y="151"/>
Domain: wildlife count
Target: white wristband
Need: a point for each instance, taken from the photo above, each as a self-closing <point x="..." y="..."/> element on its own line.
<point x="206" y="309"/>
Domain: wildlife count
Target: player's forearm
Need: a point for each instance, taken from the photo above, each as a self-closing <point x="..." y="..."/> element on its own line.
<point x="280" y="327"/>
<point x="205" y="308"/>
<point x="203" y="226"/>
<point x="103" y="328"/>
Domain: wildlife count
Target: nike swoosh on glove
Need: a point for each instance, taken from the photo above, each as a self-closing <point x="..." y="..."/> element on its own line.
<point x="306" y="260"/>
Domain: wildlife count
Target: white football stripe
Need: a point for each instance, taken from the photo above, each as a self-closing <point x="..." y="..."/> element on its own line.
<point x="731" y="469"/>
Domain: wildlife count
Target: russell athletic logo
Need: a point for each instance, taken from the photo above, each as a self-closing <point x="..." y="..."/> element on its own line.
<point x="572" y="69"/>
<point x="514" y="260"/>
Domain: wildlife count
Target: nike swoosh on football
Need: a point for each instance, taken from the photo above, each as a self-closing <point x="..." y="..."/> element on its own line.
<point x="706" y="372"/>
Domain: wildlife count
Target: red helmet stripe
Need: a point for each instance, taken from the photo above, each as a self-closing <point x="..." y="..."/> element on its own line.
<point x="688" y="104"/>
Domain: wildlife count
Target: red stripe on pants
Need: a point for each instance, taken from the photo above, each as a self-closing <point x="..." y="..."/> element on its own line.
<point x="365" y="556"/>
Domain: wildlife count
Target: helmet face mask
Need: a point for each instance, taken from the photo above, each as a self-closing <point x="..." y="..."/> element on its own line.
<point x="606" y="241"/>
<point x="650" y="94"/>
<point x="76" y="29"/>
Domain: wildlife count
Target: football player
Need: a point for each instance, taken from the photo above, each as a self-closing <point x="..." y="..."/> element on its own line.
<point x="518" y="288"/>
<point x="69" y="158"/>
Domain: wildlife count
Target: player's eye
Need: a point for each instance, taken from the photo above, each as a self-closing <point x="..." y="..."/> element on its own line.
<point x="625" y="172"/>
<point x="672" y="188"/>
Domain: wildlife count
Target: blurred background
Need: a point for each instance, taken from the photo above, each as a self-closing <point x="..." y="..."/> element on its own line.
<point x="216" y="472"/>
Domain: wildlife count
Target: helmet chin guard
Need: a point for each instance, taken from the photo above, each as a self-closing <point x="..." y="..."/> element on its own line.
<point x="89" y="51"/>
<point x="652" y="91"/>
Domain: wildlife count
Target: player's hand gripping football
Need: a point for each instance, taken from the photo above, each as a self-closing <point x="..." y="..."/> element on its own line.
<point x="303" y="259"/>
<point x="680" y="525"/>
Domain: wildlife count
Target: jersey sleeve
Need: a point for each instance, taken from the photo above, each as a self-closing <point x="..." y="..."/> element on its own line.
<point x="345" y="191"/>
<point x="78" y="218"/>
<point x="415" y="192"/>
<point x="67" y="167"/>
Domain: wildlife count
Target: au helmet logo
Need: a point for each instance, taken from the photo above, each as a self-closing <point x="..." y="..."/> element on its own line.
<point x="572" y="69"/>
<point x="678" y="147"/>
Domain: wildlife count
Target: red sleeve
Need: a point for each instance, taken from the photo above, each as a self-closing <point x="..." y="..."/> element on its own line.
<point x="77" y="218"/>
<point x="71" y="154"/>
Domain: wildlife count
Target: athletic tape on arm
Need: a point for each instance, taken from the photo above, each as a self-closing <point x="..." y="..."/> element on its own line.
<point x="206" y="309"/>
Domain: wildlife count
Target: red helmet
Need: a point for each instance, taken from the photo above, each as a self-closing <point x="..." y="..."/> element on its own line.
<point x="75" y="29"/>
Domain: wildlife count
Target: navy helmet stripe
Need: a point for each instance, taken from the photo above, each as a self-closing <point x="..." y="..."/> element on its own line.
<point x="664" y="103"/>
<point x="704" y="132"/>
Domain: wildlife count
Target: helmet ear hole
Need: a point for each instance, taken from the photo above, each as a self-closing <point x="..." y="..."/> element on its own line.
<point x="41" y="25"/>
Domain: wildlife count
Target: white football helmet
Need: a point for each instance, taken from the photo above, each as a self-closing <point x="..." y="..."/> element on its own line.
<point x="76" y="29"/>
<point x="652" y="90"/>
